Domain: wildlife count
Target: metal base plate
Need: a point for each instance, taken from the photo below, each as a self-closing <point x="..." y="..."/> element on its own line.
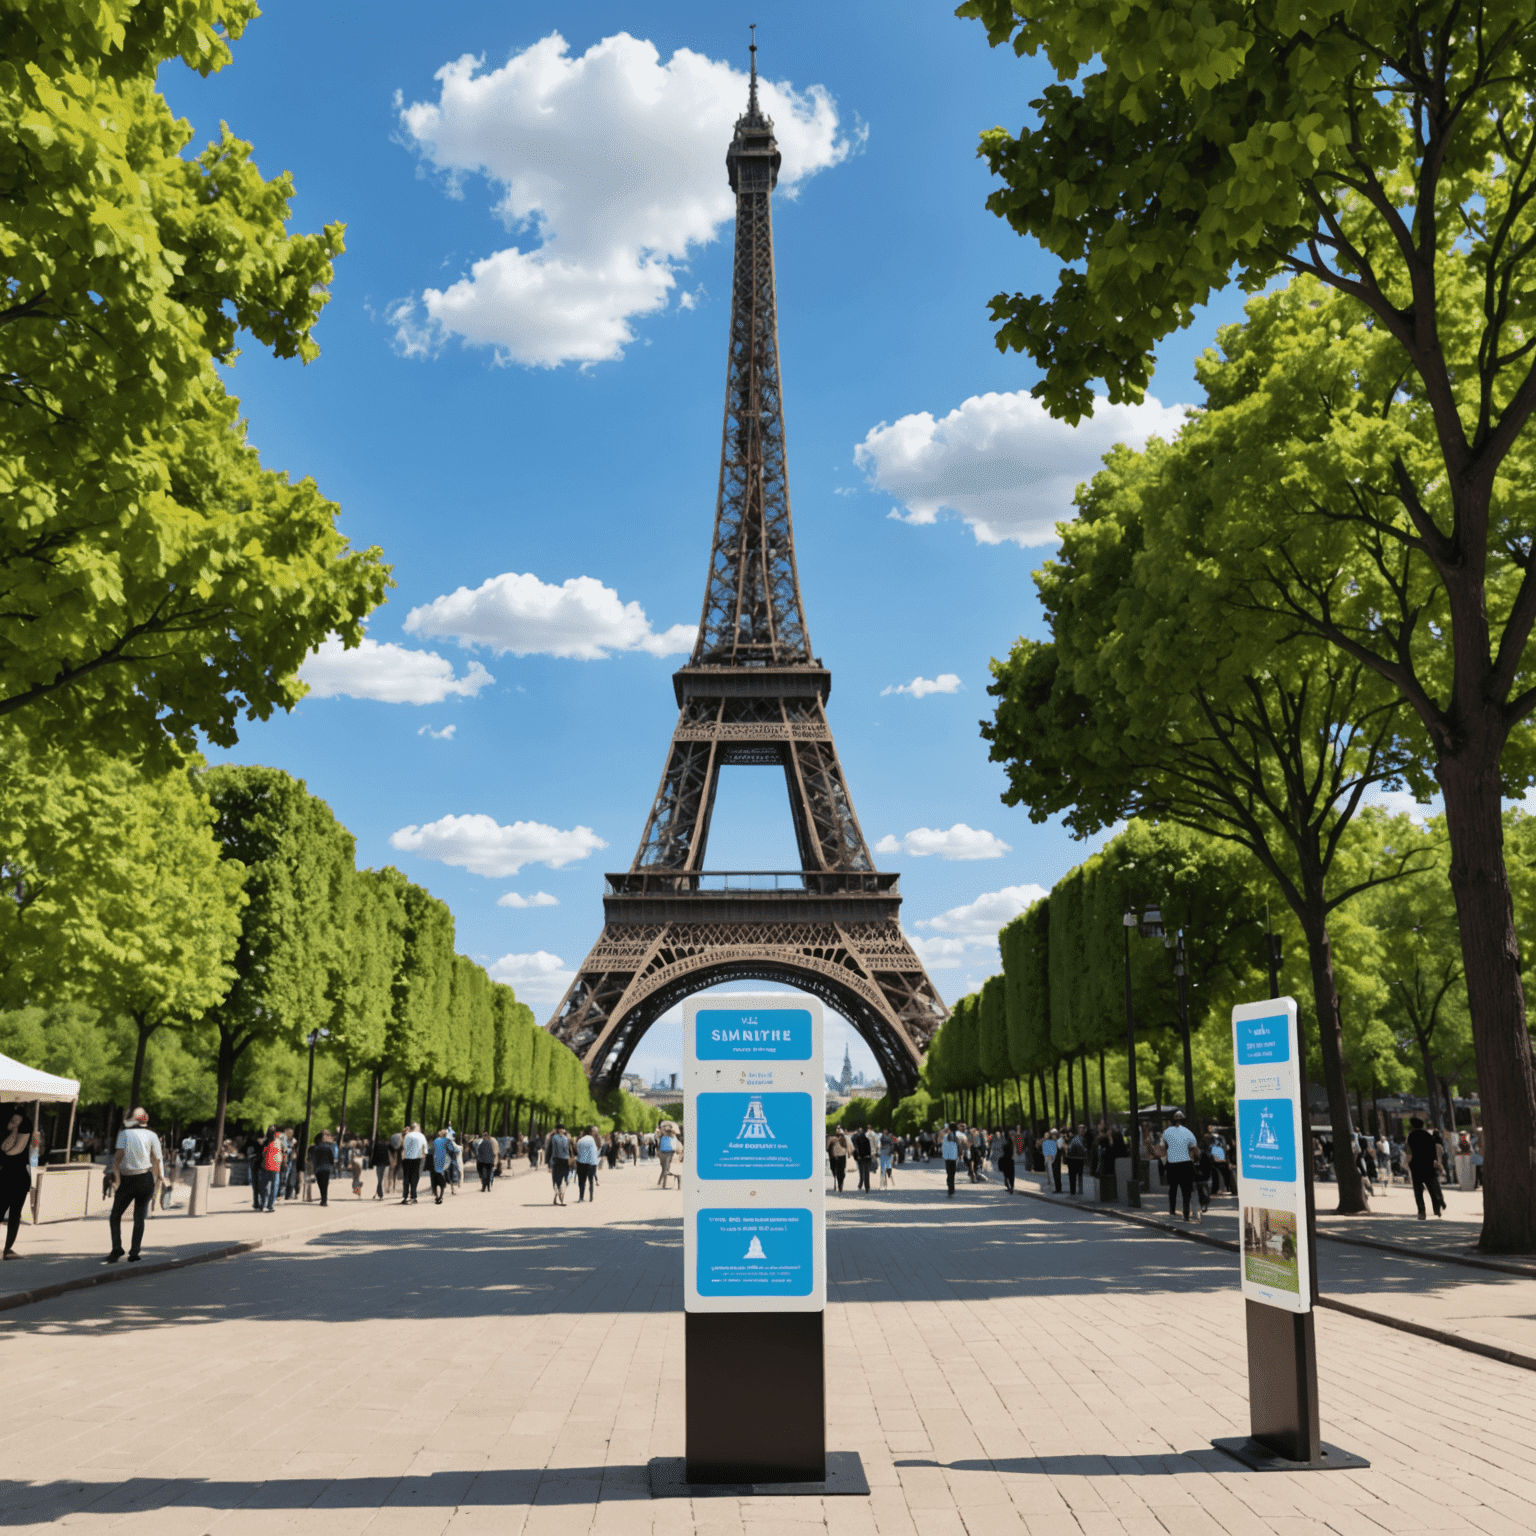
<point x="1259" y="1458"/>
<point x="845" y="1475"/>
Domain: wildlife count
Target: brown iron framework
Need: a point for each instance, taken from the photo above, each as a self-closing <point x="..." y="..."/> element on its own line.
<point x="752" y="693"/>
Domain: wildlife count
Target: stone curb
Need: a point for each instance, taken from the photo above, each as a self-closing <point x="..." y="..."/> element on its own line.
<point x="1366" y="1314"/>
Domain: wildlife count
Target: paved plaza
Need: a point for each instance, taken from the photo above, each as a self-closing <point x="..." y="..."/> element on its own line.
<point x="497" y="1365"/>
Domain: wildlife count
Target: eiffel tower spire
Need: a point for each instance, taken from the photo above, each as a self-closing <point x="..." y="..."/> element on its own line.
<point x="752" y="693"/>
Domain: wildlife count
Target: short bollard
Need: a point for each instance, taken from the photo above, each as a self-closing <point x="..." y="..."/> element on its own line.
<point x="202" y="1183"/>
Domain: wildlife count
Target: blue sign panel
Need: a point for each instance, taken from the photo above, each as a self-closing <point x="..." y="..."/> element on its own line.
<point x="751" y="1034"/>
<point x="755" y="1136"/>
<point x="1260" y="1041"/>
<point x="1266" y="1139"/>
<point x="755" y="1253"/>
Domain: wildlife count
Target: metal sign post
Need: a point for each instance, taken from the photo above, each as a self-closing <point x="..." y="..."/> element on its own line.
<point x="1277" y="1227"/>
<point x="754" y="1245"/>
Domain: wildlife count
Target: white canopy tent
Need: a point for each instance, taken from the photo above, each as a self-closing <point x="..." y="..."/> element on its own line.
<point x="26" y="1085"/>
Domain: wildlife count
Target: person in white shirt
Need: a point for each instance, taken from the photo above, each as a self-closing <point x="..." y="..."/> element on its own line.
<point x="137" y="1167"/>
<point x="412" y="1150"/>
<point x="1181" y="1144"/>
<point x="951" y="1151"/>
<point x="586" y="1164"/>
<point x="1050" y="1150"/>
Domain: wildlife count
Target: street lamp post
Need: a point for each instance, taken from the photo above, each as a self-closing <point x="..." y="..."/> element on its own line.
<point x="1181" y="970"/>
<point x="314" y="1037"/>
<point x="1150" y="926"/>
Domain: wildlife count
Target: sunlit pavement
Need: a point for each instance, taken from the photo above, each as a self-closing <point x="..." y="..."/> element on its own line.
<point x="497" y="1364"/>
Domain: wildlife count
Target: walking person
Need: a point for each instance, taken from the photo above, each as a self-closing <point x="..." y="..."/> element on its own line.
<point x="586" y="1164"/>
<point x="559" y="1149"/>
<point x="1077" y="1155"/>
<point x="137" y="1167"/>
<point x="15" y="1176"/>
<point x="950" y="1150"/>
<point x="440" y="1164"/>
<point x="383" y="1166"/>
<point x="453" y="1172"/>
<point x="863" y="1155"/>
<point x="1424" y="1168"/>
<point x="1005" y="1161"/>
<point x="270" y="1171"/>
<point x="1182" y="1146"/>
<point x="887" y="1157"/>
<point x="485" y="1162"/>
<point x="838" y="1153"/>
<point x="322" y="1163"/>
<point x="1050" y="1150"/>
<point x="666" y="1148"/>
<point x="413" y="1150"/>
<point x="392" y="1178"/>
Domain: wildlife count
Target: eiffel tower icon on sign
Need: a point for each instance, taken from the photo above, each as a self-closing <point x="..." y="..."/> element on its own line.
<point x="755" y="1250"/>
<point x="1266" y="1135"/>
<point x="754" y="1124"/>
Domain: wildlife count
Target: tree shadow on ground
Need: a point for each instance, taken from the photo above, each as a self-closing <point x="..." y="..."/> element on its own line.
<point x="512" y="1488"/>
<point x="1173" y="1464"/>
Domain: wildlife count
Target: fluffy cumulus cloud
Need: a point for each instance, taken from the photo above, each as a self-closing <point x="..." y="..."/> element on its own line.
<point x="968" y="933"/>
<point x="521" y="614"/>
<point x="608" y="169"/>
<point x="538" y="899"/>
<point x="537" y="978"/>
<point x="393" y="674"/>
<point x="483" y="846"/>
<point x="1002" y="462"/>
<point x="921" y="687"/>
<point x="956" y="842"/>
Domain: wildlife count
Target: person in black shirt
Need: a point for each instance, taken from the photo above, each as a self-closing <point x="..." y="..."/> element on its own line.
<point x="864" y="1156"/>
<point x="1424" y="1168"/>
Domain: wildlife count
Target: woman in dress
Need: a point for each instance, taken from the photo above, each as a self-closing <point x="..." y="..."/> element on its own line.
<point x="15" y="1176"/>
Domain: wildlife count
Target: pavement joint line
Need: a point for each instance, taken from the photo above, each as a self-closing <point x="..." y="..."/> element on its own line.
<point x="1333" y="1304"/>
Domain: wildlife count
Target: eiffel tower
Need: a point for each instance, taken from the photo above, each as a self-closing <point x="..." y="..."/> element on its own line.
<point x="751" y="693"/>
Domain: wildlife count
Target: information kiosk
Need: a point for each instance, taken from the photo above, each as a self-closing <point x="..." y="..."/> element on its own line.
<point x="755" y="1239"/>
<point x="1278" y="1250"/>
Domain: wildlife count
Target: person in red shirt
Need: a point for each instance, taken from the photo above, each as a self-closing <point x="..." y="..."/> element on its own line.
<point x="270" y="1170"/>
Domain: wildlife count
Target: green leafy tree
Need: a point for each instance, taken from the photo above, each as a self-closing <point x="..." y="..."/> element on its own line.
<point x="1385" y="152"/>
<point x="119" y="894"/>
<point x="154" y="578"/>
<point x="291" y="849"/>
<point x="1157" y="697"/>
<point x="1024" y="944"/>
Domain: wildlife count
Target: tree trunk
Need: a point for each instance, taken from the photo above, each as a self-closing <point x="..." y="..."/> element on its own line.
<point x="346" y="1078"/>
<point x="145" y="1031"/>
<point x="1352" y="1201"/>
<point x="1103" y="1088"/>
<point x="410" y="1100"/>
<point x="226" y="1071"/>
<point x="1506" y="1076"/>
<point x="442" y="1108"/>
<point x="1056" y="1090"/>
<point x="1034" y="1126"/>
<point x="378" y="1083"/>
<point x="1071" y="1106"/>
<point x="1431" y="1077"/>
<point x="1083" y="1065"/>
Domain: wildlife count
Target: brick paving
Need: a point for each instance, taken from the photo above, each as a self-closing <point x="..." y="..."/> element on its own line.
<point x="497" y="1365"/>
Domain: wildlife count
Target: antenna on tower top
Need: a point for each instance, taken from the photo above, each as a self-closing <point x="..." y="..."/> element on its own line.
<point x="752" y="90"/>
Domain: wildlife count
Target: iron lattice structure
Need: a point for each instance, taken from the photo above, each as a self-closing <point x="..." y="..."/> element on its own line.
<point x="752" y="693"/>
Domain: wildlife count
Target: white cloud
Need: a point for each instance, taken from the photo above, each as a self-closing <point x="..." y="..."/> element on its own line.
<point x="921" y="687"/>
<point x="966" y="934"/>
<point x="389" y="673"/>
<point x="484" y="847"/>
<point x="538" y="899"/>
<point x="1002" y="462"/>
<point x="537" y="978"/>
<point x="1397" y="802"/>
<point x="989" y="912"/>
<point x="610" y="166"/>
<point x="446" y="734"/>
<point x="521" y="614"/>
<point x="956" y="842"/>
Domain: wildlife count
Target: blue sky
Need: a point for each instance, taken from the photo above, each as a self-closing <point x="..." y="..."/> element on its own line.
<point x="504" y="439"/>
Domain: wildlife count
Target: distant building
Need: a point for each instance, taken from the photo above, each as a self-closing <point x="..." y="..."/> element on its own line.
<point x="845" y="1084"/>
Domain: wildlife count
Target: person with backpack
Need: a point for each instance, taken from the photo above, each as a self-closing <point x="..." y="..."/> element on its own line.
<point x="559" y="1149"/>
<point x="486" y="1152"/>
<point x="839" y="1150"/>
<point x="864" y="1156"/>
<point x="887" y="1158"/>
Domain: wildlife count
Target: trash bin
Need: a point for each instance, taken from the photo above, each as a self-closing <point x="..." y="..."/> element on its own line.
<point x="202" y="1183"/>
<point x="1463" y="1161"/>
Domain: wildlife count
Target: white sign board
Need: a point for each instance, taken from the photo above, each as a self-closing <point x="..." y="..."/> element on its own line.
<point x="754" y="1194"/>
<point x="1271" y="1140"/>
